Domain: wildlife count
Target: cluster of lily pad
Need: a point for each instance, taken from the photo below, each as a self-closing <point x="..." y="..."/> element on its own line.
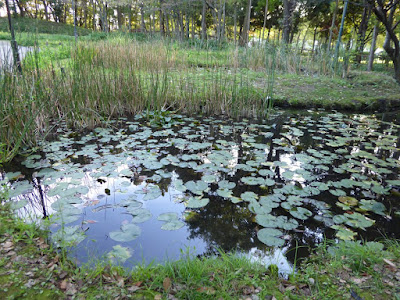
<point x="332" y="168"/>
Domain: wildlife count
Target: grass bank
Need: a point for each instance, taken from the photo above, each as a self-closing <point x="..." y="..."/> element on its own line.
<point x="32" y="268"/>
<point x="106" y="76"/>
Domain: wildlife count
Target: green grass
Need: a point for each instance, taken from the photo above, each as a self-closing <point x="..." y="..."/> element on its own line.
<point x="31" y="268"/>
<point x="112" y="75"/>
<point x="41" y="26"/>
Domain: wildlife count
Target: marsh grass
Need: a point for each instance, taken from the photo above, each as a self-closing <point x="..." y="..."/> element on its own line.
<point x="92" y="82"/>
<point x="99" y="79"/>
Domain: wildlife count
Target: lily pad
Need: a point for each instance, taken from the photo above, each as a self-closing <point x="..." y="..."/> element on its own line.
<point x="300" y="213"/>
<point x="173" y="225"/>
<point x="119" y="254"/>
<point x="140" y="215"/>
<point x="270" y="237"/>
<point x="372" y="205"/>
<point x="248" y="196"/>
<point x="197" y="202"/>
<point x="349" y="201"/>
<point x="128" y="233"/>
<point x="344" y="233"/>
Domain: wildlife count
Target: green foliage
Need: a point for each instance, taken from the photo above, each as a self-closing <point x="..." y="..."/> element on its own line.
<point x="41" y="26"/>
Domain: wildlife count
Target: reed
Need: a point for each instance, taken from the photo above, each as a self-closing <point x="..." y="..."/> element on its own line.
<point x="121" y="76"/>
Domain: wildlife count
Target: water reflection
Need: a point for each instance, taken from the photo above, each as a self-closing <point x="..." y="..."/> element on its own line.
<point x="308" y="160"/>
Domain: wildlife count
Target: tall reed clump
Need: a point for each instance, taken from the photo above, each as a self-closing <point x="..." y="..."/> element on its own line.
<point x="289" y="59"/>
<point x="119" y="77"/>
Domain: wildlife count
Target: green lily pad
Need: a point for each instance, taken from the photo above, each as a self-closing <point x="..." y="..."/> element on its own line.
<point x="173" y="225"/>
<point x="338" y="192"/>
<point x="196" y="187"/>
<point x="197" y="202"/>
<point x="225" y="184"/>
<point x="168" y="217"/>
<point x="344" y="233"/>
<point x="140" y="215"/>
<point x="300" y="213"/>
<point x="152" y="193"/>
<point x="349" y="201"/>
<point x="68" y="236"/>
<point x="128" y="233"/>
<point x="372" y="205"/>
<point x="248" y="196"/>
<point x="270" y="237"/>
<point x="224" y="193"/>
<point x="119" y="254"/>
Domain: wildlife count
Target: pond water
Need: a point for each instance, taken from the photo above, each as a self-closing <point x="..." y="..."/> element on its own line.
<point x="139" y="191"/>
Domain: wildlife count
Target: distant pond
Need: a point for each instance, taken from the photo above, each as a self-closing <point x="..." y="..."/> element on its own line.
<point x="156" y="188"/>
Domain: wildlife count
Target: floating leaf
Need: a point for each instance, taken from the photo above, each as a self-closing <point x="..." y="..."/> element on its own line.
<point x="173" y="225"/>
<point x="349" y="201"/>
<point x="344" y="233"/>
<point x="140" y="215"/>
<point x="300" y="213"/>
<point x="119" y="254"/>
<point x="69" y="236"/>
<point x="372" y="205"/>
<point x="197" y="202"/>
<point x="152" y="193"/>
<point x="225" y="184"/>
<point x="338" y="192"/>
<point x="270" y="237"/>
<point x="248" y="196"/>
<point x="128" y="233"/>
<point x="168" y="217"/>
<point x="196" y="187"/>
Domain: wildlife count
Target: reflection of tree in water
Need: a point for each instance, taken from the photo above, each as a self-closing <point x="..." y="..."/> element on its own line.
<point x="224" y="225"/>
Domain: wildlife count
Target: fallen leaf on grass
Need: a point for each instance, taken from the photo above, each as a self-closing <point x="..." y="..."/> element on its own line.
<point x="133" y="288"/>
<point x="247" y="290"/>
<point x="167" y="284"/>
<point x="7" y="246"/>
<point x="389" y="263"/>
<point x="157" y="297"/>
<point x="290" y="288"/>
<point x="360" y="280"/>
<point x="63" y="285"/>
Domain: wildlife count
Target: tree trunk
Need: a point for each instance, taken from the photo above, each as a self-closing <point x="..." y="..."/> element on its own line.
<point x="362" y="31"/>
<point x="235" y="25"/>
<point x="244" y="38"/>
<point x="14" y="46"/>
<point x="167" y="24"/>
<point x="372" y="50"/>
<point x="265" y="19"/>
<point x="142" y="24"/>
<point x="381" y="12"/>
<point x="304" y="41"/>
<point x="332" y="25"/>
<point x="203" y="22"/>
<point x="74" y="9"/>
<point x="46" y="13"/>
<point x="313" y="43"/>
<point x="223" y="20"/>
<point x="336" y="56"/>
<point x="288" y="6"/>
<point x="119" y="17"/>
<point x="162" y="25"/>
<point x="129" y="18"/>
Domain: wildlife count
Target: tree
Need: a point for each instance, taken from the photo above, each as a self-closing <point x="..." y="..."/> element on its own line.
<point x="388" y="14"/>
<point x="244" y="38"/>
<point x="14" y="46"/>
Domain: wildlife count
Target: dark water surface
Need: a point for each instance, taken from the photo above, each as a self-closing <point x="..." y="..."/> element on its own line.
<point x="256" y="187"/>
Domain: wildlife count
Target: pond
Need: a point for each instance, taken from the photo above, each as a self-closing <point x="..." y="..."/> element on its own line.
<point x="152" y="188"/>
